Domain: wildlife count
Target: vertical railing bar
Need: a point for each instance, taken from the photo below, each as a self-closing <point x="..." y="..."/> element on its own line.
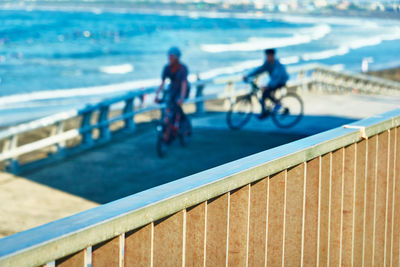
<point x="387" y="196"/>
<point x="89" y="251"/>
<point x="87" y="135"/>
<point x="53" y="130"/>
<point x="14" y="164"/>
<point x="304" y="213"/>
<point x="319" y="206"/>
<point x="184" y="238"/>
<point x="227" y="232"/>
<point x="330" y="204"/>
<point x="103" y="122"/>
<point x="152" y="245"/>
<point x="205" y="233"/>
<point x="199" y="93"/>
<point x="398" y="176"/>
<point x="284" y="221"/>
<point x="6" y="144"/>
<point x="266" y="225"/>
<point x="354" y="203"/>
<point x="365" y="198"/>
<point x="394" y="192"/>
<point x="121" y="249"/>
<point x="86" y="263"/>
<point x="128" y="108"/>
<point x="60" y="129"/>
<point x="14" y="142"/>
<point x="248" y="225"/>
<point x="375" y="198"/>
<point x="341" y="208"/>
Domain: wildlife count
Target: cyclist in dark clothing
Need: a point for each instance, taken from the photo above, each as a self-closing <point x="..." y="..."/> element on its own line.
<point x="178" y="88"/>
<point x="278" y="78"/>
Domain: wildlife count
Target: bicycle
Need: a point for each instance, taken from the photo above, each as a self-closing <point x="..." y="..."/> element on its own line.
<point x="169" y="128"/>
<point x="288" y="115"/>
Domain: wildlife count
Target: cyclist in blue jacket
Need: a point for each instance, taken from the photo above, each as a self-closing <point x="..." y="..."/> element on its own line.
<point x="278" y="78"/>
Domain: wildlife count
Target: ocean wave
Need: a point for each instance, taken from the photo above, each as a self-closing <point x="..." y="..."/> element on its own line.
<point x="43" y="98"/>
<point x="347" y="46"/>
<point x="230" y="69"/>
<point x="290" y="60"/>
<point x="376" y="40"/>
<point x="117" y="69"/>
<point x="255" y="43"/>
<point x="78" y="92"/>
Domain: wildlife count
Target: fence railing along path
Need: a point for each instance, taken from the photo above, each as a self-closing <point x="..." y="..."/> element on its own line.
<point x="329" y="199"/>
<point x="92" y="123"/>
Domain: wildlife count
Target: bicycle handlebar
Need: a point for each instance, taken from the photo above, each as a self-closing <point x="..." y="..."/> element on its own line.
<point x="252" y="82"/>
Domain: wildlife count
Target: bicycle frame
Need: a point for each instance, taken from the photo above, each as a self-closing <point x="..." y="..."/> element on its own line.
<point x="169" y="122"/>
<point x="255" y="89"/>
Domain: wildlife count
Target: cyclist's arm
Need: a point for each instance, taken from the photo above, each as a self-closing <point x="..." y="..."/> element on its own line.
<point x="184" y="87"/>
<point x="257" y="71"/>
<point x="184" y="84"/>
<point x="159" y="89"/>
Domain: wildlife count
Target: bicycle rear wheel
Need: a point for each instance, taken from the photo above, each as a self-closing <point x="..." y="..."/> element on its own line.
<point x="290" y="113"/>
<point x="161" y="145"/>
<point x="185" y="131"/>
<point x="240" y="113"/>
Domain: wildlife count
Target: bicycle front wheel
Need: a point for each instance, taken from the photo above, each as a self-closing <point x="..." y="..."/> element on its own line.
<point x="161" y="145"/>
<point x="240" y="113"/>
<point x="290" y="113"/>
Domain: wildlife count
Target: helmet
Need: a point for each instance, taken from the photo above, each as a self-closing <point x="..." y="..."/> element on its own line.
<point x="174" y="51"/>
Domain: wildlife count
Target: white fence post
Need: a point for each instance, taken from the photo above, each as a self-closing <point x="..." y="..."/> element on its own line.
<point x="87" y="136"/>
<point x="129" y="120"/>
<point x="9" y="145"/>
<point x="105" y="133"/>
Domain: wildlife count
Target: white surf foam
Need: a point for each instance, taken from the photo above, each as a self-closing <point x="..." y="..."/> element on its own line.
<point x="255" y="43"/>
<point x="326" y="53"/>
<point x="117" y="69"/>
<point x="230" y="69"/>
<point x="393" y="34"/>
<point x="78" y="92"/>
<point x="354" y="44"/>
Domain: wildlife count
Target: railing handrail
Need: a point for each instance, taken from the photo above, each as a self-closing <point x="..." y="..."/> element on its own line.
<point x="66" y="115"/>
<point x="364" y="77"/>
<point x="63" y="237"/>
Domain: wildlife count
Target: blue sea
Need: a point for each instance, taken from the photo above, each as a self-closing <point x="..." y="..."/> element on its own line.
<point x="55" y="60"/>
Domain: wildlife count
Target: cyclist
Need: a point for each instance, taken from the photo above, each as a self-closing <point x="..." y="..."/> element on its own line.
<point x="178" y="88"/>
<point x="278" y="78"/>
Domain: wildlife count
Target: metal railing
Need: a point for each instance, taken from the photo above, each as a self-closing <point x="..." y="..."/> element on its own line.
<point x="328" y="79"/>
<point x="82" y="133"/>
<point x="329" y="199"/>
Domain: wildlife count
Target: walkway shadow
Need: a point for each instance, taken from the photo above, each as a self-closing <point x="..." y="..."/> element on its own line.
<point x="131" y="165"/>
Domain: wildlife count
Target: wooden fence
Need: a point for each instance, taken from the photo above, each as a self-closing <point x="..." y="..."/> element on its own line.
<point x="329" y="199"/>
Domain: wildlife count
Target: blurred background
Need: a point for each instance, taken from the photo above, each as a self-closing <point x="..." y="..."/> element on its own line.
<point x="57" y="55"/>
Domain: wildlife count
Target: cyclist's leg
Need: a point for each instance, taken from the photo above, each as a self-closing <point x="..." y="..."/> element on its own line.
<point x="180" y="115"/>
<point x="175" y="112"/>
<point x="268" y="92"/>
